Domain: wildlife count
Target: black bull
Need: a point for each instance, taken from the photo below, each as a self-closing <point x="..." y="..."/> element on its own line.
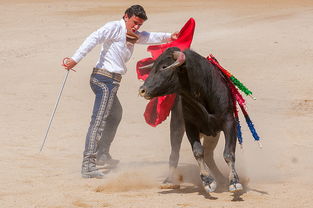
<point x="206" y="106"/>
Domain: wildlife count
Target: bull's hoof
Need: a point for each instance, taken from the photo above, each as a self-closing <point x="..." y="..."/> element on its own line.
<point x="210" y="187"/>
<point x="169" y="186"/>
<point x="235" y="187"/>
<point x="209" y="183"/>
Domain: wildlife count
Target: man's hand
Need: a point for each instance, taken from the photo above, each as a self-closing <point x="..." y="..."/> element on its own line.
<point x="131" y="37"/>
<point x="174" y="36"/>
<point x="69" y="63"/>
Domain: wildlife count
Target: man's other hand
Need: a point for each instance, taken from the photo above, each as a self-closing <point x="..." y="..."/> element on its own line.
<point x="174" y="36"/>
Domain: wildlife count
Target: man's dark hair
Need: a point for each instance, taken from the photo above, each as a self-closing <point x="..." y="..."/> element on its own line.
<point x="136" y="10"/>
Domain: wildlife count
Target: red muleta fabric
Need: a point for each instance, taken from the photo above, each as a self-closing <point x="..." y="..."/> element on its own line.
<point x="158" y="109"/>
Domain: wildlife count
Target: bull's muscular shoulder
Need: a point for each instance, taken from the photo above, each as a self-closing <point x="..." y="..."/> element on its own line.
<point x="196" y="114"/>
<point x="196" y="61"/>
<point x="205" y="85"/>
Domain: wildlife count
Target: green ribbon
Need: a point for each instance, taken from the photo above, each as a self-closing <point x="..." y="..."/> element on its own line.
<point x="240" y="85"/>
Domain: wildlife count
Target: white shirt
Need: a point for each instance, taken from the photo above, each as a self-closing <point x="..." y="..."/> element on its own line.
<point x="115" y="51"/>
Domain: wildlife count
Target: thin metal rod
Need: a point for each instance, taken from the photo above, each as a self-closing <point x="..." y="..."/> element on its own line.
<point x="55" y="108"/>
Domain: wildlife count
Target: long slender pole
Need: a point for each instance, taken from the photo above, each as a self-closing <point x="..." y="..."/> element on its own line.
<point x="54" y="110"/>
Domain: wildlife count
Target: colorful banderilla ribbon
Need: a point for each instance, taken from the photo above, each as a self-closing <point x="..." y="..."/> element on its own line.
<point x="232" y="83"/>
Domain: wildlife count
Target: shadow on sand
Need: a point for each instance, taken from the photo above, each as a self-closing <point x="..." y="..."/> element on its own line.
<point x="191" y="183"/>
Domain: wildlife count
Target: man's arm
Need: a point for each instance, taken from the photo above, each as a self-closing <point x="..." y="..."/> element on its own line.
<point x="104" y="33"/>
<point x="156" y="37"/>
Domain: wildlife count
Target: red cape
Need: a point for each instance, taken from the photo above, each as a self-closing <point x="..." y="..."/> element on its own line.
<point x="159" y="108"/>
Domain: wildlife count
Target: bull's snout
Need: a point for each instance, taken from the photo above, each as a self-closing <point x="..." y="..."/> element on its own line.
<point x="143" y="92"/>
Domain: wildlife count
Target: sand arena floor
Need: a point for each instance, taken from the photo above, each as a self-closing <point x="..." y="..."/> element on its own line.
<point x="267" y="45"/>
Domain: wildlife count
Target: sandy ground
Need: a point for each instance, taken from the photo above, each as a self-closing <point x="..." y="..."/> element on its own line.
<point x="267" y="45"/>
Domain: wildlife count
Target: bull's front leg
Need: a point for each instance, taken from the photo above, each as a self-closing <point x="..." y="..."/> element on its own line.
<point x="229" y="154"/>
<point x="207" y="178"/>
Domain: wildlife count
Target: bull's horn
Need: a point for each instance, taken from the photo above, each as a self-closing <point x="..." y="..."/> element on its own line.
<point x="146" y="66"/>
<point x="180" y="59"/>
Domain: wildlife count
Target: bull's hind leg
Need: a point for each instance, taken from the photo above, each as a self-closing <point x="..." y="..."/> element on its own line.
<point x="177" y="130"/>
<point x="229" y="154"/>
<point x="207" y="179"/>
<point x="209" y="144"/>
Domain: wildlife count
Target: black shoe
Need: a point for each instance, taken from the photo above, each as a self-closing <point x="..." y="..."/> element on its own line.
<point x="89" y="169"/>
<point x="106" y="160"/>
<point x="93" y="174"/>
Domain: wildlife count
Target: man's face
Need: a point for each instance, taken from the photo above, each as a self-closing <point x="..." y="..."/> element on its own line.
<point x="133" y="23"/>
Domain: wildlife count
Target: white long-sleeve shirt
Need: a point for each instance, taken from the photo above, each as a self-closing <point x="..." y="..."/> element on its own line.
<point x="115" y="51"/>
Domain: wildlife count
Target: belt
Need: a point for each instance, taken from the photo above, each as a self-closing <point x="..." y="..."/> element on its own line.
<point x="117" y="77"/>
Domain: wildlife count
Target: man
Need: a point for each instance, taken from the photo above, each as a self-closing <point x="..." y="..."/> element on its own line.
<point x="117" y="39"/>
